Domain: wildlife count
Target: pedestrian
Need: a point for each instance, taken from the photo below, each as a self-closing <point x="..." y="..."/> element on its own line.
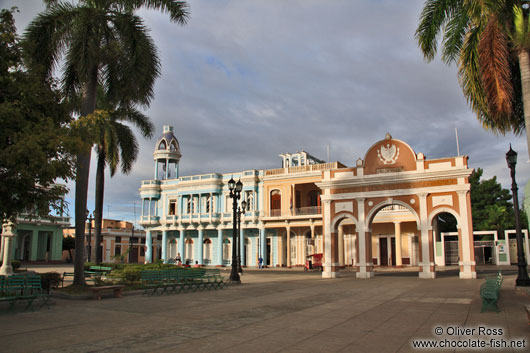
<point x="260" y="262"/>
<point x="178" y="260"/>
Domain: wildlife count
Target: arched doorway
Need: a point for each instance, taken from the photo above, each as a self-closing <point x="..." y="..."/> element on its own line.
<point x="227" y="251"/>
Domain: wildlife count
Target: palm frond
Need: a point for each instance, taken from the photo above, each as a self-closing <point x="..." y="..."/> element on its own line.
<point x="128" y="147"/>
<point x="495" y="68"/>
<point x="178" y="10"/>
<point x="434" y="16"/>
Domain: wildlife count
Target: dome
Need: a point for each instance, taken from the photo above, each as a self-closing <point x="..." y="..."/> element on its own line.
<point x="167" y="146"/>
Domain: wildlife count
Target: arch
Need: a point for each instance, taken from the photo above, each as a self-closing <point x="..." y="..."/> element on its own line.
<point x="370" y="216"/>
<point x="207" y="250"/>
<point x="439" y="210"/>
<point x="162" y="145"/>
<point x="173" y="146"/>
<point x="341" y="216"/>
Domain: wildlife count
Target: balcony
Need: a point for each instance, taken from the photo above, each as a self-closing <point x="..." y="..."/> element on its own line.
<point x="304" y="168"/>
<point x="300" y="212"/>
<point x="149" y="220"/>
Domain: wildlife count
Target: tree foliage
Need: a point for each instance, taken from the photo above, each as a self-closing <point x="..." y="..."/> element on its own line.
<point x="492" y="205"/>
<point x="34" y="137"/>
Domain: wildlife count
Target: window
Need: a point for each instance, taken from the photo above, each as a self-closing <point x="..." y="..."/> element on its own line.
<point x="145" y="207"/>
<point x="172" y="207"/>
<point x="188" y="205"/>
<point x="207" y="250"/>
<point x="189" y="249"/>
<point x="118" y="240"/>
<point x="276" y="202"/>
<point x="226" y="250"/>
<point x="162" y="145"/>
<point x="117" y="250"/>
<point x="208" y="204"/>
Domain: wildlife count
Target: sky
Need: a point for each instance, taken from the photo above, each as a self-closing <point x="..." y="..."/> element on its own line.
<point x="244" y="81"/>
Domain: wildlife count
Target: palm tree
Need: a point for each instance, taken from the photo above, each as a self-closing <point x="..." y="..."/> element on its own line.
<point x="115" y="145"/>
<point x="484" y="39"/>
<point x="102" y="42"/>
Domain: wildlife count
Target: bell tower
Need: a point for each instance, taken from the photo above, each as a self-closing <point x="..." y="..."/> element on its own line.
<point x="167" y="155"/>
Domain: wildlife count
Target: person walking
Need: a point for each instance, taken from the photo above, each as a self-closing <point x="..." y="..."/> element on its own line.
<point x="260" y="262"/>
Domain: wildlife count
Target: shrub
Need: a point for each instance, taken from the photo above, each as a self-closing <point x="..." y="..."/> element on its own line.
<point x="50" y="280"/>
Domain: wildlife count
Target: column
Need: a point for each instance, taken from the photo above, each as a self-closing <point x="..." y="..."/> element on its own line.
<point x="263" y="245"/>
<point x="166" y="176"/>
<point x="467" y="263"/>
<point x="164" y="246"/>
<point x="397" y="231"/>
<point x="35" y="245"/>
<point x="426" y="264"/>
<point x="149" y="247"/>
<point x="242" y="245"/>
<point x="220" y="247"/>
<point x="288" y="238"/>
<point x="330" y="246"/>
<point x="200" y="244"/>
<point x="365" y="246"/>
<point x="341" y="245"/>
<point x="7" y="238"/>
<point x="181" y="244"/>
<point x="156" y="169"/>
<point x="313" y="247"/>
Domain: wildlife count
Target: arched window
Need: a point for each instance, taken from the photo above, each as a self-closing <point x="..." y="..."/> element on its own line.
<point x="276" y="203"/>
<point x="173" y="146"/>
<point x="227" y="250"/>
<point x="162" y="145"/>
<point x="189" y="250"/>
<point x="207" y="251"/>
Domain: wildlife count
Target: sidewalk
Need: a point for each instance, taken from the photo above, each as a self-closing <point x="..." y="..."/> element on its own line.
<point x="274" y="311"/>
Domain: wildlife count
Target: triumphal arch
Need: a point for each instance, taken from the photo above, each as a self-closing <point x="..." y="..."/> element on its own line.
<point x="392" y="174"/>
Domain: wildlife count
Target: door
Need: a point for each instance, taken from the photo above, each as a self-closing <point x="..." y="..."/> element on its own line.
<point x="268" y="255"/>
<point x="393" y="250"/>
<point x="383" y="251"/>
<point x="134" y="254"/>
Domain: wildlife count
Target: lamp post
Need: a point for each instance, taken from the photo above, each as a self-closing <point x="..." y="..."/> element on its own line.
<point x="239" y="212"/>
<point x="522" y="276"/>
<point x="235" y="194"/>
<point x="131" y="244"/>
<point x="89" y="247"/>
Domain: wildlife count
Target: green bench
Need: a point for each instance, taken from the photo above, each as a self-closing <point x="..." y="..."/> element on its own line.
<point x="180" y="280"/>
<point x="26" y="288"/>
<point x="88" y="276"/>
<point x="100" y="269"/>
<point x="490" y="291"/>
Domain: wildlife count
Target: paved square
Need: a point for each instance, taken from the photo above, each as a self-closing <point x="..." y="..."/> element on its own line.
<point x="272" y="311"/>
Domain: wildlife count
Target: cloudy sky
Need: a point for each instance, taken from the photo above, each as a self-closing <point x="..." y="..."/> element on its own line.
<point x="246" y="80"/>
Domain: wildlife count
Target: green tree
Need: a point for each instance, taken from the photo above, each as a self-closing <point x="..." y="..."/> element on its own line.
<point x="492" y="206"/>
<point x="103" y="42"/>
<point x="34" y="135"/>
<point x="489" y="40"/>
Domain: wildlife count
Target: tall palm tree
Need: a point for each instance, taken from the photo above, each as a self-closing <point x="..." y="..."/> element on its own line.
<point x="481" y="36"/>
<point x="102" y="42"/>
<point x="115" y="145"/>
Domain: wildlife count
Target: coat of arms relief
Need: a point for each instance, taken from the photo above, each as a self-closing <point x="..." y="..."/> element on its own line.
<point x="388" y="154"/>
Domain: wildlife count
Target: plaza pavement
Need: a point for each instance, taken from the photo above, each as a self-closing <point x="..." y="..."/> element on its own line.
<point x="278" y="311"/>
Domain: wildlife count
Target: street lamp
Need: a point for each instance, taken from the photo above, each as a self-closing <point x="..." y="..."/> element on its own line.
<point x="89" y="247"/>
<point x="235" y="194"/>
<point x="239" y="212"/>
<point x="522" y="276"/>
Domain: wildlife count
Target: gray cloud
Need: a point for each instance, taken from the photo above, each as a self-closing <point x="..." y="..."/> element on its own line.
<point x="247" y="80"/>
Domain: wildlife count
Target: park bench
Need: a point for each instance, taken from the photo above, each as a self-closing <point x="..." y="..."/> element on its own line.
<point x="116" y="290"/>
<point x="15" y="288"/>
<point x="490" y="291"/>
<point x="100" y="269"/>
<point x="34" y="287"/>
<point x="88" y="276"/>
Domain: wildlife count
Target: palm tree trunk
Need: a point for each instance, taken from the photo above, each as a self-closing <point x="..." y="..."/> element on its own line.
<point x="88" y="106"/>
<point x="524" y="67"/>
<point x="98" y="212"/>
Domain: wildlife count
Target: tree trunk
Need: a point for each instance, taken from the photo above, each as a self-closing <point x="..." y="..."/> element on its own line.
<point x="98" y="212"/>
<point x="88" y="106"/>
<point x="524" y="67"/>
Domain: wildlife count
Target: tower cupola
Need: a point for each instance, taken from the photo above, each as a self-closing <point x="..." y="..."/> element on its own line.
<point x="167" y="155"/>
